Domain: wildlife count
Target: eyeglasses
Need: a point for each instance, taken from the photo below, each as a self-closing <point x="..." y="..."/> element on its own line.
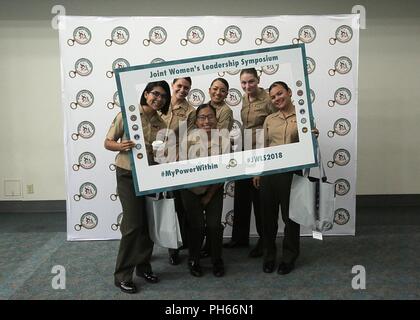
<point x="209" y="117"/>
<point x="157" y="94"/>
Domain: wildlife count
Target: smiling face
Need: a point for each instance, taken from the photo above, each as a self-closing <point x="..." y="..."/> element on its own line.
<point x="156" y="98"/>
<point x="218" y="92"/>
<point x="280" y="97"/>
<point x="249" y="83"/>
<point x="206" y="119"/>
<point x="180" y="88"/>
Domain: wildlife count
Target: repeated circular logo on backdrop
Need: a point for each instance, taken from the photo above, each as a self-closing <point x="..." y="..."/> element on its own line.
<point x="342" y="187"/>
<point x="81" y="35"/>
<point x="84" y="99"/>
<point x="306" y="34"/>
<point x="343" y="34"/>
<point x="341" y="216"/>
<point x="119" y="35"/>
<point x="342" y="96"/>
<point x="87" y="160"/>
<point x="115" y="101"/>
<point x="342" y="65"/>
<point x="117" y="64"/>
<point x="234" y="97"/>
<point x="269" y="34"/>
<point x="311" y="65"/>
<point x="157" y="35"/>
<point x="341" y="158"/>
<point x="195" y="35"/>
<point x="229" y="189"/>
<point x="228" y="219"/>
<point x="88" y="220"/>
<point x="341" y="127"/>
<point x="115" y="226"/>
<point x="87" y="191"/>
<point x="82" y="67"/>
<point x="231" y="35"/>
<point x="85" y="130"/>
<point x="196" y="97"/>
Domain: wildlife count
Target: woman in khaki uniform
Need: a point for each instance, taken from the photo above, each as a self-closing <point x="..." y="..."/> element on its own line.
<point x="136" y="247"/>
<point x="279" y="128"/>
<point x="179" y="120"/>
<point x="204" y="204"/>
<point x="218" y="92"/>
<point x="256" y="107"/>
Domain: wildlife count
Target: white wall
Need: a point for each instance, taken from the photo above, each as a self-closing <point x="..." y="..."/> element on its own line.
<point x="31" y="121"/>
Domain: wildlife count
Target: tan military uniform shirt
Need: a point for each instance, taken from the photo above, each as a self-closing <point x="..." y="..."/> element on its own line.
<point x="254" y="113"/>
<point x="150" y="126"/>
<point x="280" y="130"/>
<point x="195" y="150"/>
<point x="180" y="112"/>
<point x="224" y="116"/>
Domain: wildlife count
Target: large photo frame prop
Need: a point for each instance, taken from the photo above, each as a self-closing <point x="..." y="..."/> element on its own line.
<point x="238" y="164"/>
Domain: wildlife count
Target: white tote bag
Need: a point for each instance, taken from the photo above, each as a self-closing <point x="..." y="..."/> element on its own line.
<point x="163" y="221"/>
<point x="312" y="200"/>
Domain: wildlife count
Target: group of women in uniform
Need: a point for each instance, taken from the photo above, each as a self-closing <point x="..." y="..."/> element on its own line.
<point x="199" y="209"/>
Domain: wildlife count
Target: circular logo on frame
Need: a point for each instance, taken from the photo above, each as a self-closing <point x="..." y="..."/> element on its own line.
<point x="306" y="34"/>
<point x="157" y="35"/>
<point x="311" y="65"/>
<point x="234" y="97"/>
<point x="84" y="98"/>
<point x="269" y="34"/>
<point x="232" y="35"/>
<point x="83" y="67"/>
<point x="81" y="35"/>
<point x="343" y="34"/>
<point x="88" y="221"/>
<point x="341" y="216"/>
<point x="119" y="35"/>
<point x="342" y="187"/>
<point x="87" y="160"/>
<point x="196" y="97"/>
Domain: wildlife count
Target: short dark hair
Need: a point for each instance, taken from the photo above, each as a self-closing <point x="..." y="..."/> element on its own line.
<point x="165" y="86"/>
<point x="252" y="71"/>
<point x="279" y="83"/>
<point x="224" y="81"/>
<point x="203" y="106"/>
<point x="185" y="78"/>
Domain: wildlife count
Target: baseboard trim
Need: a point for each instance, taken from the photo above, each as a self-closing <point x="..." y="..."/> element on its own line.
<point x="388" y="200"/>
<point x="47" y="206"/>
<point x="362" y="201"/>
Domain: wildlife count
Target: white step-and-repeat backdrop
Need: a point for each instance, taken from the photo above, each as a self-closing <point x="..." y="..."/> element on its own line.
<point x="92" y="47"/>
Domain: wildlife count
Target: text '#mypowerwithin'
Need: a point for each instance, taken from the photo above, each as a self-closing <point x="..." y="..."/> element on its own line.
<point x="197" y="168"/>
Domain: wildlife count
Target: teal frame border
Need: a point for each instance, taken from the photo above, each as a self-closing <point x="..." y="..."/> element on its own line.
<point x="213" y="57"/>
